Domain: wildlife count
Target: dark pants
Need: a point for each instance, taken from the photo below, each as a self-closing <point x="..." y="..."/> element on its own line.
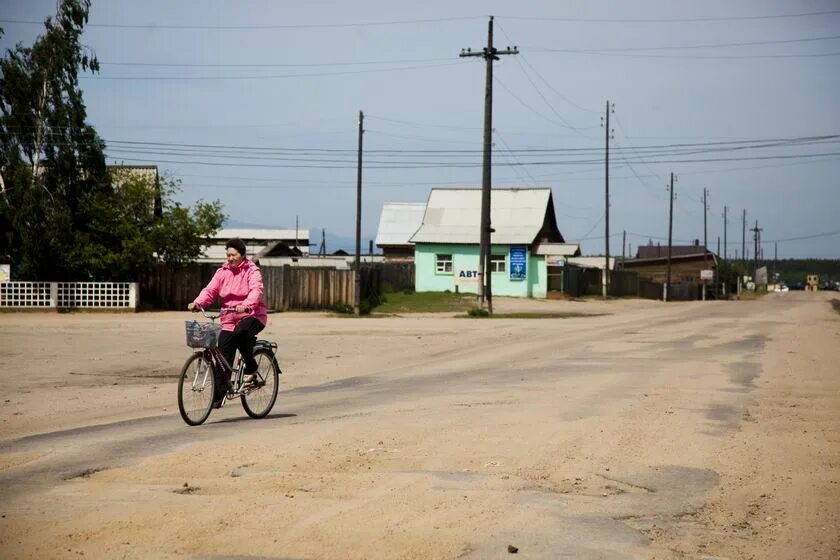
<point x="242" y="338"/>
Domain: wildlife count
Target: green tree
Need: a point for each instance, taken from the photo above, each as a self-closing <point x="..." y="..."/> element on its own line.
<point x="51" y="160"/>
<point x="63" y="215"/>
<point x="141" y="224"/>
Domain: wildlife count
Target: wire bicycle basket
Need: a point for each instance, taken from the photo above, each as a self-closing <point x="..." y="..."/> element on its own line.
<point x="202" y="334"/>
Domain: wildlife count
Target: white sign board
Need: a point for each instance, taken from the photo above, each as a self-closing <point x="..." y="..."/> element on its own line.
<point x="466" y="277"/>
<point x="5" y="272"/>
<point x="707" y="275"/>
<point x="555" y="260"/>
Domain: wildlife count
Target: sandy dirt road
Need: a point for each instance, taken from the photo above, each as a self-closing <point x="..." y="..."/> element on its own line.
<point x="687" y="430"/>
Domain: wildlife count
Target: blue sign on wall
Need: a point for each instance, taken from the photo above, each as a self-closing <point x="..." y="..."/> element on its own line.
<point x="518" y="262"/>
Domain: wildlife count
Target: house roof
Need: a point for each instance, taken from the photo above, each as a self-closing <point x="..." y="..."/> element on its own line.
<point x="656" y="251"/>
<point x="454" y="216"/>
<point x="707" y="256"/>
<point x="262" y="234"/>
<point x="398" y="222"/>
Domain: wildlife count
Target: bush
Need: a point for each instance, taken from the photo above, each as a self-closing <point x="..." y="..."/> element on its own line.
<point x="478" y="312"/>
<point x="342" y="308"/>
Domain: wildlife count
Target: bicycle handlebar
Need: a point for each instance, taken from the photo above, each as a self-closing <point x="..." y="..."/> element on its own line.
<point x="199" y="309"/>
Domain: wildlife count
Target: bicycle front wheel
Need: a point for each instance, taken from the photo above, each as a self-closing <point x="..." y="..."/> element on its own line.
<point x="258" y="401"/>
<point x="196" y="388"/>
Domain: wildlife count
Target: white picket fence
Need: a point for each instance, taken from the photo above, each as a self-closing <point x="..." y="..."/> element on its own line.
<point x="68" y="295"/>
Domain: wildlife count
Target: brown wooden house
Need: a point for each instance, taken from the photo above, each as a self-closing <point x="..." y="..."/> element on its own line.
<point x="687" y="261"/>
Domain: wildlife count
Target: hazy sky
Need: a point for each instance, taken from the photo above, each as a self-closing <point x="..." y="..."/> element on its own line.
<point x="256" y="103"/>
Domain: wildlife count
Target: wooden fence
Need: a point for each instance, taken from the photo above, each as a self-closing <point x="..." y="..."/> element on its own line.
<point x="397" y="276"/>
<point x="286" y="287"/>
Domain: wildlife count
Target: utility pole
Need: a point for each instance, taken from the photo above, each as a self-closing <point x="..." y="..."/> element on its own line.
<point x="717" y="282"/>
<point x="775" y="259"/>
<point x="296" y="233"/>
<point x="357" y="299"/>
<point x="489" y="54"/>
<point x="705" y="236"/>
<point x="756" y="237"/>
<point x="705" y="207"/>
<point x="607" y="134"/>
<point x="744" y="237"/>
<point x="670" y="230"/>
<point x="623" y="246"/>
<point x="322" y="251"/>
<point x="725" y="246"/>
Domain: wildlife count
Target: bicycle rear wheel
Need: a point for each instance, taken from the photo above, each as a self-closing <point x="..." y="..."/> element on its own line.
<point x="196" y="387"/>
<point x="258" y="401"/>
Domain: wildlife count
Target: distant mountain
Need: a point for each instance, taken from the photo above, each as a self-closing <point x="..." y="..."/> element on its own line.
<point x="333" y="242"/>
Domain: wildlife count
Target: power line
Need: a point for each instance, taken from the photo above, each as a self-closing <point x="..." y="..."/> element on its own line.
<point x="804" y="237"/>
<point x="269" y="65"/>
<point x="644" y="150"/>
<point x="341" y="164"/>
<point x="702" y="46"/>
<point x="521" y="102"/>
<point x="155" y="26"/>
<point x="674" y="20"/>
<point x="696" y="57"/>
<point x="270" y="76"/>
<point x="564" y="98"/>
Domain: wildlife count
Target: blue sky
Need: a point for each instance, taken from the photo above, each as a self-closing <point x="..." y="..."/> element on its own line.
<point x="256" y="103"/>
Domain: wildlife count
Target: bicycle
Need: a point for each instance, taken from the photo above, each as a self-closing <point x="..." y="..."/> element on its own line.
<point x="207" y="366"/>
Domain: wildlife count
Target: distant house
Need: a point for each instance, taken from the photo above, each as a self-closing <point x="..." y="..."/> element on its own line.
<point x="591" y="262"/>
<point x="687" y="261"/>
<point x="525" y="236"/>
<point x="259" y="243"/>
<point x="397" y="223"/>
<point x="120" y="174"/>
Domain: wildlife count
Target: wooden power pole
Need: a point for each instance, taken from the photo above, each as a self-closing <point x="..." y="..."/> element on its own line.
<point x="357" y="299"/>
<point x="670" y="230"/>
<point x="489" y="54"/>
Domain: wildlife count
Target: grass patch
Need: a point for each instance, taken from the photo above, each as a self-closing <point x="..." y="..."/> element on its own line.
<point x="425" y="302"/>
<point x="534" y="315"/>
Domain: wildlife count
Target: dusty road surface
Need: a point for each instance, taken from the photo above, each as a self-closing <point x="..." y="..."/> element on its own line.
<point x="646" y="430"/>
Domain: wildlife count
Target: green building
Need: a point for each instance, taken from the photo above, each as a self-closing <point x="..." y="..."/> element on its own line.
<point x="524" y="241"/>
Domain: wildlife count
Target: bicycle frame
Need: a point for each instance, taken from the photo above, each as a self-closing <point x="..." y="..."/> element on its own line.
<point x="228" y="379"/>
<point x="236" y="371"/>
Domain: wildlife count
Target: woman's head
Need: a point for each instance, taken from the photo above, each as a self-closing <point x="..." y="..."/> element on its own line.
<point x="235" y="250"/>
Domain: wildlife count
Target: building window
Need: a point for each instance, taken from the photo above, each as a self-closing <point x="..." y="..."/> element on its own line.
<point x="497" y="263"/>
<point x="443" y="264"/>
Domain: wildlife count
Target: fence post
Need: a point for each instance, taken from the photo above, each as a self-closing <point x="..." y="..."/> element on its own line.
<point x="54" y="294"/>
<point x="132" y="295"/>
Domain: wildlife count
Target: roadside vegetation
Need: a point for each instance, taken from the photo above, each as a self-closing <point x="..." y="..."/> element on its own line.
<point x="424" y="302"/>
<point x="464" y="305"/>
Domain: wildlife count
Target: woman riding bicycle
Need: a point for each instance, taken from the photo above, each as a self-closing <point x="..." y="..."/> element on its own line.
<point x="238" y="283"/>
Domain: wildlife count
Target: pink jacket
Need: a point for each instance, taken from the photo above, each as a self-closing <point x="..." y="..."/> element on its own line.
<point x="241" y="285"/>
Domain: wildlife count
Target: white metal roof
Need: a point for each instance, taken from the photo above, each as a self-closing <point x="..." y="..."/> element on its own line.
<point x="262" y="234"/>
<point x="454" y="215"/>
<point x="398" y="222"/>
<point x="558" y="249"/>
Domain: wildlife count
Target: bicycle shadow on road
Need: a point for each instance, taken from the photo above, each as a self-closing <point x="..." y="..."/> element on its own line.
<point x="248" y="419"/>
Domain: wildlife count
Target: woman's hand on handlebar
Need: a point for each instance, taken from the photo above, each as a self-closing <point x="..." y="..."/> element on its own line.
<point x="193" y="307"/>
<point x="242" y="309"/>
